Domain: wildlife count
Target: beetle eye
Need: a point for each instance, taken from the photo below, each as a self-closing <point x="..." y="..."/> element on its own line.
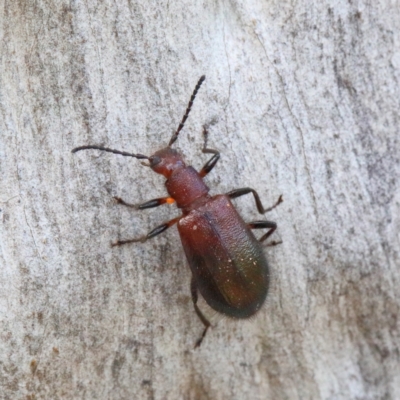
<point x="154" y="160"/>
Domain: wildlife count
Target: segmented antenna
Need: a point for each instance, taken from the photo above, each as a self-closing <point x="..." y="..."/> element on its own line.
<point x="122" y="153"/>
<point x="196" y="89"/>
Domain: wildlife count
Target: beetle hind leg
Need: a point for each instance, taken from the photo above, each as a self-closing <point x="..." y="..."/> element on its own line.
<point x="271" y="226"/>
<point x="203" y="319"/>
<point x="242" y="191"/>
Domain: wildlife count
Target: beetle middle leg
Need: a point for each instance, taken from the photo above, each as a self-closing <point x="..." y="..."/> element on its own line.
<point x="203" y="319"/>
<point x="271" y="226"/>
<point x="210" y="164"/>
<point x="148" y="204"/>
<point x="242" y="191"/>
<point x="156" y="231"/>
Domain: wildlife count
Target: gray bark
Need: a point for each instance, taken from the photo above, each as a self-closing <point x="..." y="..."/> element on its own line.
<point x="302" y="100"/>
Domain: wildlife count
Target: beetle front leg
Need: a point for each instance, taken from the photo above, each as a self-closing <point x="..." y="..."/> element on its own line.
<point x="241" y="192"/>
<point x="203" y="319"/>
<point x="210" y="164"/>
<point x="156" y="231"/>
<point x="271" y="226"/>
<point x="148" y="204"/>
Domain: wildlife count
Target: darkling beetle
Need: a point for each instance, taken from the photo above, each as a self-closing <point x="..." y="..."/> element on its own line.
<point x="228" y="264"/>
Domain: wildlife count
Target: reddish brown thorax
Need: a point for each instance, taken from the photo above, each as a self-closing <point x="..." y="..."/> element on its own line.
<point x="184" y="183"/>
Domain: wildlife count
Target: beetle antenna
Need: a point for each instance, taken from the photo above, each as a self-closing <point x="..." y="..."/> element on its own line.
<point x="122" y="153"/>
<point x="196" y="89"/>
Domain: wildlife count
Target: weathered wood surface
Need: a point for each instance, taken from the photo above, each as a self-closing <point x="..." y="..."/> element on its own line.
<point x="302" y="100"/>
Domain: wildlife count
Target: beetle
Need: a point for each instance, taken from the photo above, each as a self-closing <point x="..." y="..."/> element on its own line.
<point x="227" y="262"/>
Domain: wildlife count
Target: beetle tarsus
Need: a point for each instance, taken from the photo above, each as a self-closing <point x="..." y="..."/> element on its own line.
<point x="273" y="243"/>
<point x="121" y="242"/>
<point x="203" y="319"/>
<point x="210" y="164"/>
<point x="124" y="203"/>
<point x="200" y="340"/>
<point x="279" y="201"/>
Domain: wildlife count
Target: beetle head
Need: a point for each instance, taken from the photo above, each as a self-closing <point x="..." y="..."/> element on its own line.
<point x="165" y="161"/>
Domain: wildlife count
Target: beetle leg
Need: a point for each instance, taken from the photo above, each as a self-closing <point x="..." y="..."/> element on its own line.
<point x="203" y="319"/>
<point x="149" y="204"/>
<point x="240" y="192"/>
<point x="156" y="231"/>
<point x="262" y="225"/>
<point x="210" y="164"/>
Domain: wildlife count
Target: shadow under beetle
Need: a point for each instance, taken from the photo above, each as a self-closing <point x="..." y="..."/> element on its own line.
<point x="228" y="265"/>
